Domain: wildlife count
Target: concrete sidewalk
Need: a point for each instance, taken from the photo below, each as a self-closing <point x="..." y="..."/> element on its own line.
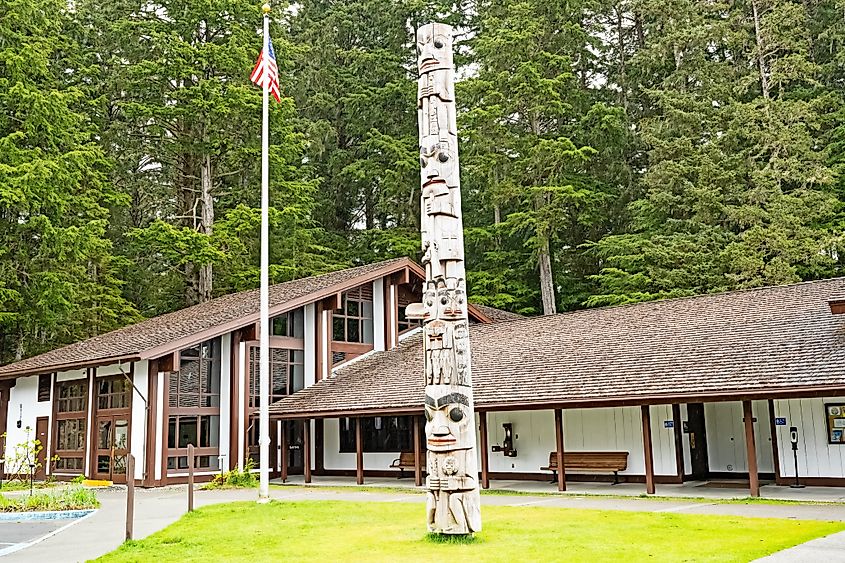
<point x="157" y="508"/>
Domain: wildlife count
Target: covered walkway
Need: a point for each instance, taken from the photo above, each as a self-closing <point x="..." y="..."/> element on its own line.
<point x="711" y="490"/>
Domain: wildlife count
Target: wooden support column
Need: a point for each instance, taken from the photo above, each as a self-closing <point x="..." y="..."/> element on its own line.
<point x="234" y="399"/>
<point x="359" y="453"/>
<point x="417" y="453"/>
<point x="773" y="432"/>
<point x="485" y="467"/>
<point x="647" y="450"/>
<point x="677" y="426"/>
<point x="750" y="449"/>
<point x="319" y="447"/>
<point x="561" y="466"/>
<point x="284" y="452"/>
<point x="306" y="443"/>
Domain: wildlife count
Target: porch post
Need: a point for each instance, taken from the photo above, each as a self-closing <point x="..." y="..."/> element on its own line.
<point x="751" y="449"/>
<point x="306" y="444"/>
<point x="561" y="465"/>
<point x="485" y="472"/>
<point x="647" y="450"/>
<point x="359" y="453"/>
<point x="773" y="431"/>
<point x="284" y="455"/>
<point x="417" y="460"/>
<point x="677" y="426"/>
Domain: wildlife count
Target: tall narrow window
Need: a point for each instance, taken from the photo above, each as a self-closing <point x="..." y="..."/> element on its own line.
<point x="194" y="408"/>
<point x="353" y="322"/>
<point x="71" y="425"/>
<point x="44" y="387"/>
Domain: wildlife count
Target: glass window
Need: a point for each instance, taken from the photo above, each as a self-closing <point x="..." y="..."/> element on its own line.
<point x="72" y="396"/>
<point x="197" y="383"/>
<point x="286" y="372"/>
<point x="353" y="322"/>
<point x="113" y="393"/>
<point x="380" y="434"/>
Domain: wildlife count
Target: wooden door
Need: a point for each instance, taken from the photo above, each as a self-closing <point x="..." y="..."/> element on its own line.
<point x="42" y="424"/>
<point x="293" y="441"/>
<point x="112" y="447"/>
<point x="697" y="430"/>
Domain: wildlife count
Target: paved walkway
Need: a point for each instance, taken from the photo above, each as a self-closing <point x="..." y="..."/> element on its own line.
<point x="157" y="508"/>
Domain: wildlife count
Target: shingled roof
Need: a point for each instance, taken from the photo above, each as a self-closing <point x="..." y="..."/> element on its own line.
<point x="768" y="342"/>
<point x="497" y="315"/>
<point x="173" y="331"/>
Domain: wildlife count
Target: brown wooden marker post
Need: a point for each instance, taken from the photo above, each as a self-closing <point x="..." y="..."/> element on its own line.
<point x="130" y="494"/>
<point x="561" y="465"/>
<point x="751" y="449"/>
<point x="417" y="454"/>
<point x="190" y="477"/>
<point x="359" y="453"/>
<point x="647" y="451"/>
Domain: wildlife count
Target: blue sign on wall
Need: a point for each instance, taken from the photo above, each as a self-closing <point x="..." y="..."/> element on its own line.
<point x="780" y="421"/>
<point x="668" y="424"/>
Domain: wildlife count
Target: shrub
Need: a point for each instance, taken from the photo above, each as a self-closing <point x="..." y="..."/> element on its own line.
<point x="72" y="498"/>
<point x="235" y="479"/>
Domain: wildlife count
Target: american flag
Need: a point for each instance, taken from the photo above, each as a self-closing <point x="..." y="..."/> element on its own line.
<point x="266" y="73"/>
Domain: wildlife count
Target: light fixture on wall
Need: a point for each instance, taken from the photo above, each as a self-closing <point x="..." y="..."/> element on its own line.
<point x="506" y="448"/>
<point x="20" y="415"/>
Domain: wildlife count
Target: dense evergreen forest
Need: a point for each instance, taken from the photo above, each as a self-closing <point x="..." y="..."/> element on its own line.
<point x="612" y="150"/>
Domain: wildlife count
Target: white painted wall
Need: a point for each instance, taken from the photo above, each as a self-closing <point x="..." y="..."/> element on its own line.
<point x="160" y="422"/>
<point x="726" y="437"/>
<point x="138" y="428"/>
<point x="225" y="396"/>
<point x="24" y="406"/>
<point x="309" y="343"/>
<point x="378" y="315"/>
<point x="816" y="458"/>
<point x="687" y="449"/>
<point x="333" y="459"/>
<point x="611" y="429"/>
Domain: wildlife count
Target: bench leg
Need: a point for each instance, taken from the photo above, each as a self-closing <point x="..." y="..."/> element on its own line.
<point x="615" y="477"/>
<point x="401" y="473"/>
<point x="554" y="477"/>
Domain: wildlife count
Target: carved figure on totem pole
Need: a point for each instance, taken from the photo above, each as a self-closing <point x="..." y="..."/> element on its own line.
<point x="452" y="482"/>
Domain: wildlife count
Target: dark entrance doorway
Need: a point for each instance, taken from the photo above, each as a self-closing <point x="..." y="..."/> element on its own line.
<point x="42" y="423"/>
<point x="293" y="430"/>
<point x="697" y="430"/>
<point x="112" y="428"/>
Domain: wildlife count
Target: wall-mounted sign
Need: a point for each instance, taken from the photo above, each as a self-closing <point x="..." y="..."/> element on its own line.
<point x="835" y="423"/>
<point x="668" y="424"/>
<point x="780" y="421"/>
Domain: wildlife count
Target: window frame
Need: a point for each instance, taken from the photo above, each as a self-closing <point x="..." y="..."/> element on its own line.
<point x="79" y="416"/>
<point x="346" y="434"/>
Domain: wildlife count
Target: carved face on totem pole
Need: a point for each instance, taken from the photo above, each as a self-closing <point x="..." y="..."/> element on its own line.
<point x="448" y="419"/>
<point x="434" y="48"/>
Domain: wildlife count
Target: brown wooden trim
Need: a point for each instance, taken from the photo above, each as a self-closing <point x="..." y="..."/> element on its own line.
<point x="152" y="411"/>
<point x="648" y="450"/>
<point x="813" y="481"/>
<point x="677" y="427"/>
<point x="418" y="453"/>
<point x="485" y="477"/>
<point x="774" y="436"/>
<point x="359" y="452"/>
<point x="165" y="427"/>
<point x="561" y="466"/>
<point x="170" y="362"/>
<point x="795" y="393"/>
<point x="5" y="395"/>
<point x="475" y="312"/>
<point x="306" y="445"/>
<point x="750" y="449"/>
<point x="234" y="398"/>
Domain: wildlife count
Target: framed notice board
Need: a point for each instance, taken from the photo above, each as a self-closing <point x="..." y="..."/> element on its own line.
<point x="835" y="415"/>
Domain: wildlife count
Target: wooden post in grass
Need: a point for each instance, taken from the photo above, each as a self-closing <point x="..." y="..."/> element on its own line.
<point x="130" y="494"/>
<point x="190" y="477"/>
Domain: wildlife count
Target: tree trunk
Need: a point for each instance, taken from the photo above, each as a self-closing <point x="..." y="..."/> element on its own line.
<point x="547" y="286"/>
<point x="205" y="285"/>
<point x="761" y="62"/>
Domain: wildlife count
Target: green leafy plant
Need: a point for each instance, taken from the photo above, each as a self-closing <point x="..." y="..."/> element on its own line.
<point x="235" y="479"/>
<point x="72" y="498"/>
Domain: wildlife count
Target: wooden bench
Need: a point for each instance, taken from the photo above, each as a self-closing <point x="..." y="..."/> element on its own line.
<point x="589" y="461"/>
<point x="406" y="460"/>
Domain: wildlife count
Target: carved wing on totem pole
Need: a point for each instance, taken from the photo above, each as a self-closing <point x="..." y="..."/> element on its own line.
<point x="452" y="482"/>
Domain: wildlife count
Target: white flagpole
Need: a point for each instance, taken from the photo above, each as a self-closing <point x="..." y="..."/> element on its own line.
<point x="264" y="363"/>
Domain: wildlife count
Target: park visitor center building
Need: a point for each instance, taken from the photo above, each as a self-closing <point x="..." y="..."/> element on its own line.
<point x="708" y="388"/>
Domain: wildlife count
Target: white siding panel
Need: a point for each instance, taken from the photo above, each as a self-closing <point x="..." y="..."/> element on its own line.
<point x="816" y="458"/>
<point x="24" y="406"/>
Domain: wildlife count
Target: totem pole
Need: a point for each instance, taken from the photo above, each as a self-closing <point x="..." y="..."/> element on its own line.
<point x="453" y="504"/>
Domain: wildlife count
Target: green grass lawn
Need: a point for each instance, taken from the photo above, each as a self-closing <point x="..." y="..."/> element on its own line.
<point x="378" y="531"/>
